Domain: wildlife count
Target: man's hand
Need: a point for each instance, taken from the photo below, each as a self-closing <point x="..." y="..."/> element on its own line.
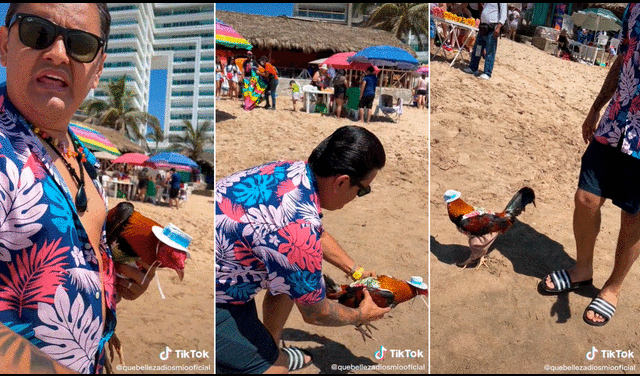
<point x="369" y="310"/>
<point x="134" y="284"/>
<point x="496" y="31"/>
<point x="589" y="126"/>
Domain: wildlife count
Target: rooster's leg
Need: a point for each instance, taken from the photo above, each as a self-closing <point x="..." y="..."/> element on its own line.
<point x="365" y="331"/>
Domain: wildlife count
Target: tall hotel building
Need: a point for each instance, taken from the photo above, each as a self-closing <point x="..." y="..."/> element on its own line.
<point x="178" y="38"/>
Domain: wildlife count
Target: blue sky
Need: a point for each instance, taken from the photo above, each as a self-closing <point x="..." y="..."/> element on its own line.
<point x="158" y="81"/>
<point x="265" y="9"/>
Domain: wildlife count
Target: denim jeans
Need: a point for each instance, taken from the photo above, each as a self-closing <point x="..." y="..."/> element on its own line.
<point x="489" y="43"/>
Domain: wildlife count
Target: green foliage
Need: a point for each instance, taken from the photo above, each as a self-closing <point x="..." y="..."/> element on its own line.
<point x="118" y="112"/>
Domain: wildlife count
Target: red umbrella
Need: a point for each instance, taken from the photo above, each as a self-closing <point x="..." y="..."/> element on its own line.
<point x="132" y="158"/>
<point x="339" y="61"/>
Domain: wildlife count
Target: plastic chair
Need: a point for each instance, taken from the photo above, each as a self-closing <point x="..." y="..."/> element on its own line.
<point x="151" y="191"/>
<point x="353" y="100"/>
<point x="385" y="104"/>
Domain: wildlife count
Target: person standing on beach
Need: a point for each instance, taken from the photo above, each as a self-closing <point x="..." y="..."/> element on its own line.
<point x="610" y="170"/>
<point x="174" y="184"/>
<point x="270" y="75"/>
<point x="367" y="94"/>
<point x="492" y="17"/>
<point x="58" y="283"/>
<point x="269" y="235"/>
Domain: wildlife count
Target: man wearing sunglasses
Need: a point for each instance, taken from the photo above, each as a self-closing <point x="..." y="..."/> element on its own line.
<point x="57" y="279"/>
<point x="269" y="235"/>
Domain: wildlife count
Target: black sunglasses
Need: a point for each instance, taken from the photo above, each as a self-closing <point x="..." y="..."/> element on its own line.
<point x="38" y="33"/>
<point x="363" y="191"/>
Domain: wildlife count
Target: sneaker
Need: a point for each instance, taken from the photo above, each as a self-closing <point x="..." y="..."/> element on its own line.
<point x="484" y="76"/>
<point x="469" y="71"/>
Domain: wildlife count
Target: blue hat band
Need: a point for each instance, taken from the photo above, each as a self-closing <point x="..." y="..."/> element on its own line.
<point x="179" y="239"/>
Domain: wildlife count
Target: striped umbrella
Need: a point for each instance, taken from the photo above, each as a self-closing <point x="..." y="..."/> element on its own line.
<point x="226" y="36"/>
<point x="94" y="140"/>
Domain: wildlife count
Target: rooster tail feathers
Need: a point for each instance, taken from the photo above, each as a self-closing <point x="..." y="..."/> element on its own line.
<point x="331" y="286"/>
<point x="522" y="198"/>
<point x="116" y="218"/>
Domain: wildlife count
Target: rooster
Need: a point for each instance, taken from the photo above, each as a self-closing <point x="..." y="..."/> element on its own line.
<point x="131" y="237"/>
<point x="482" y="226"/>
<point x="385" y="291"/>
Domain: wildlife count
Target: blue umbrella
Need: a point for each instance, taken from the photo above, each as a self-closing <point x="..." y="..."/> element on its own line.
<point x="386" y="56"/>
<point x="172" y="158"/>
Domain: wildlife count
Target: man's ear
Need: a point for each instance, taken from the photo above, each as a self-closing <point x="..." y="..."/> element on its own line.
<point x="98" y="73"/>
<point x="343" y="179"/>
<point x="4" y="45"/>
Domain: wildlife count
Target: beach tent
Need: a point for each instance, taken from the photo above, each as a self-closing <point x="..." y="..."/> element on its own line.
<point x="228" y="37"/>
<point x="397" y="64"/>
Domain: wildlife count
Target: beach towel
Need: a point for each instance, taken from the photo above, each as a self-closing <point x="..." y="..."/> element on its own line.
<point x="252" y="92"/>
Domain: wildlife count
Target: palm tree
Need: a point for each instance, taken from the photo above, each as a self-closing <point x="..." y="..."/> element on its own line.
<point x="156" y="135"/>
<point x="195" y="139"/>
<point x="118" y="112"/>
<point x="400" y="19"/>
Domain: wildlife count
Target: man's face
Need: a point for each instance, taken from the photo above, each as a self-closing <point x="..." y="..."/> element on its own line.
<point x="48" y="84"/>
<point x="341" y="192"/>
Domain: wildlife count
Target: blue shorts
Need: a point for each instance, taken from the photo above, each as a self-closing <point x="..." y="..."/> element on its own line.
<point x="607" y="172"/>
<point x="243" y="344"/>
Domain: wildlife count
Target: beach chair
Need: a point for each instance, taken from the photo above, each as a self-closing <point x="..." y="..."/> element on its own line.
<point x="386" y="105"/>
<point x="353" y="99"/>
<point x="306" y="89"/>
<point x="109" y="186"/>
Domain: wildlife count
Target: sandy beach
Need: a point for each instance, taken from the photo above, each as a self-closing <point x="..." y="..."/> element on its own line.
<point x="386" y="231"/>
<point x="488" y="139"/>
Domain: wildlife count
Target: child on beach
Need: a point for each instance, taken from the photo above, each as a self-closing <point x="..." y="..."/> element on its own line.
<point x="296" y="93"/>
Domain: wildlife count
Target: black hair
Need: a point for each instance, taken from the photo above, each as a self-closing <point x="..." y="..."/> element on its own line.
<point x="350" y="150"/>
<point x="103" y="11"/>
<point x="292" y="82"/>
<point x="370" y="70"/>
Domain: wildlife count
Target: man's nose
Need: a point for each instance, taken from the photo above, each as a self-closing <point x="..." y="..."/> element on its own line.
<point x="57" y="52"/>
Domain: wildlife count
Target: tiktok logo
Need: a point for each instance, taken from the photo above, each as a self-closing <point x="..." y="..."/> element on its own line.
<point x="591" y="355"/>
<point x="380" y="353"/>
<point x="165" y="354"/>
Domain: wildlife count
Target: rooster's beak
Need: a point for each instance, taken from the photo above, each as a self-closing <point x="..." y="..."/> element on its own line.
<point x="180" y="274"/>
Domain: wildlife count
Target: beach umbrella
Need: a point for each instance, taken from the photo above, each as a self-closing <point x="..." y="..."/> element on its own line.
<point x="423" y="69"/>
<point x="228" y="37"/>
<point x="596" y="19"/>
<point x="132" y="158"/>
<point x="172" y="159"/>
<point x="386" y="56"/>
<point x="318" y="61"/>
<point x="94" y="140"/>
<point x="339" y="61"/>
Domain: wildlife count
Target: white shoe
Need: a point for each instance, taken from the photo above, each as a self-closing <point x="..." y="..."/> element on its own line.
<point x="469" y="71"/>
<point x="484" y="76"/>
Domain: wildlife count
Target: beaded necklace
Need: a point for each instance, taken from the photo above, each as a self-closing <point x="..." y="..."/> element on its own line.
<point x="81" y="200"/>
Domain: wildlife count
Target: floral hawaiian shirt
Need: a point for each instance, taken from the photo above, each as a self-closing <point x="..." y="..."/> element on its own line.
<point x="620" y="124"/>
<point x="50" y="283"/>
<point x="268" y="232"/>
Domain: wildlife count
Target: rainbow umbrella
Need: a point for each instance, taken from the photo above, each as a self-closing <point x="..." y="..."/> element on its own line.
<point x="94" y="140"/>
<point x="423" y="69"/>
<point x="226" y="36"/>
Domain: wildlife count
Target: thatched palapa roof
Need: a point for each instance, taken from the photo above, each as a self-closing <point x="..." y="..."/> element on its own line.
<point x="617" y="8"/>
<point x="284" y="33"/>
